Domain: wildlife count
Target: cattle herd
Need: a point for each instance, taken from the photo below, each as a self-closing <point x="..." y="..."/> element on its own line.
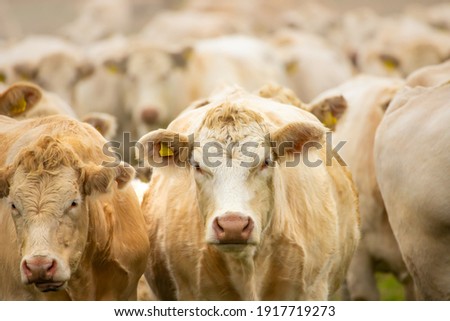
<point x="227" y="150"/>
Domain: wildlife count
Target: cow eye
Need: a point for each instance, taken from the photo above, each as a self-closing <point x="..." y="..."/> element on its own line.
<point x="13" y="206"/>
<point x="197" y="166"/>
<point x="74" y="204"/>
<point x="267" y="163"/>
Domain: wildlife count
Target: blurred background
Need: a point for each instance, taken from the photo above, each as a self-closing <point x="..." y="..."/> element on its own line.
<point x="47" y="16"/>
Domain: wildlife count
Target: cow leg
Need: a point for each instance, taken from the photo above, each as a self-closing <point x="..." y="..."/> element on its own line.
<point x="361" y="280"/>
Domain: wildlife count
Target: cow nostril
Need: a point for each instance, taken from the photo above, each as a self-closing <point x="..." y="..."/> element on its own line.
<point x="52" y="268"/>
<point x="217" y="225"/>
<point x="26" y="269"/>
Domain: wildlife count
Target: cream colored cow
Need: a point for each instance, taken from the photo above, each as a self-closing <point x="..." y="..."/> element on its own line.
<point x="50" y="62"/>
<point x="25" y="100"/>
<point x="154" y="75"/>
<point x="430" y="76"/>
<point x="70" y="226"/>
<point x="367" y="98"/>
<point x="412" y="163"/>
<point x="248" y="223"/>
<point x="312" y="64"/>
<point x="402" y="45"/>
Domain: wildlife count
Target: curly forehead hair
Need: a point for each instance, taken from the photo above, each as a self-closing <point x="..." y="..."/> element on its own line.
<point x="47" y="154"/>
<point x="232" y="121"/>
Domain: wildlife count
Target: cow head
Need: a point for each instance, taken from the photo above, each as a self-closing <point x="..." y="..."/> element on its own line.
<point x="152" y="76"/>
<point x="233" y="160"/>
<point x="46" y="189"/>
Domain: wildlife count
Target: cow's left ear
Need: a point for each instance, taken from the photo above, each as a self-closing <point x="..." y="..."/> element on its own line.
<point x="329" y="110"/>
<point x="105" y="124"/>
<point x="97" y="178"/>
<point x="292" y="137"/>
<point x="181" y="58"/>
<point x="5" y="176"/>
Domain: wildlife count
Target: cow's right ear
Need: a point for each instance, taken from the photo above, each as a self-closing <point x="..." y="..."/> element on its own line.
<point x="5" y="176"/>
<point x="292" y="137"/>
<point x="18" y="99"/>
<point x="163" y="147"/>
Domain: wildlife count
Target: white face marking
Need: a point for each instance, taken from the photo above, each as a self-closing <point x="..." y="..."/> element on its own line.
<point x="238" y="184"/>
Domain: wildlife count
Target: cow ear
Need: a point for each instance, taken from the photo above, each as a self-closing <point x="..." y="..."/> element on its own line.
<point x="18" y="99"/>
<point x="181" y="58"/>
<point x="26" y="71"/>
<point x="100" y="179"/>
<point x="116" y="66"/>
<point x="163" y="147"/>
<point x="292" y="137"/>
<point x="329" y="110"/>
<point x="85" y="70"/>
<point x="279" y="93"/>
<point x="105" y="124"/>
<point x="5" y="176"/>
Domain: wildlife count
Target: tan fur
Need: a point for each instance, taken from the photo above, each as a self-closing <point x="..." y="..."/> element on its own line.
<point x="108" y="248"/>
<point x="307" y="237"/>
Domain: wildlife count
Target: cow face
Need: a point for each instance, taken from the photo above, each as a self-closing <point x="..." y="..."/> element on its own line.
<point x="233" y="162"/>
<point x="152" y="77"/>
<point x="47" y="191"/>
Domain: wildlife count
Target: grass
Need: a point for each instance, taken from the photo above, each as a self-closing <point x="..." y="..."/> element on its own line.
<point x="390" y="288"/>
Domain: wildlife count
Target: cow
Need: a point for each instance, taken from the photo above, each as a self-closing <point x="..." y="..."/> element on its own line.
<point x="103" y="90"/>
<point x="367" y="98"/>
<point x="155" y="73"/>
<point x="312" y="64"/>
<point x="185" y="27"/>
<point x="436" y="15"/>
<point x="412" y="164"/>
<point x="48" y="61"/>
<point x="71" y="226"/>
<point x="24" y="100"/>
<point x="246" y="224"/>
<point x="97" y="20"/>
<point x="401" y="46"/>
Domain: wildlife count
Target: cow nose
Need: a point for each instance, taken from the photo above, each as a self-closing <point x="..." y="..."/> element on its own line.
<point x="149" y="115"/>
<point x="233" y="228"/>
<point x="39" y="268"/>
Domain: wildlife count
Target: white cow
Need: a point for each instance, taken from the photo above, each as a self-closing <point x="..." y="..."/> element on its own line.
<point x="154" y="75"/>
<point x="312" y="64"/>
<point x="367" y="98"/>
<point x="402" y="45"/>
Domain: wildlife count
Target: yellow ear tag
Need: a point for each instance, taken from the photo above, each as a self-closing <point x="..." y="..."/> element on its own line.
<point x="291" y="67"/>
<point x="20" y="107"/>
<point x="389" y="64"/>
<point x="329" y="120"/>
<point x="165" y="151"/>
<point x="112" y="68"/>
<point x="2" y="77"/>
